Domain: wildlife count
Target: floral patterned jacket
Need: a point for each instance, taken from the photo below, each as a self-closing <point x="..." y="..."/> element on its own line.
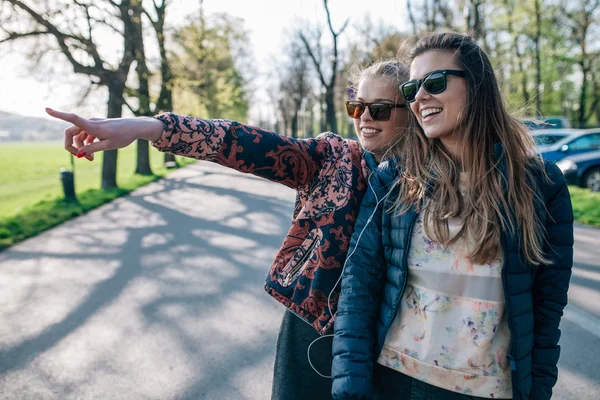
<point x="327" y="175"/>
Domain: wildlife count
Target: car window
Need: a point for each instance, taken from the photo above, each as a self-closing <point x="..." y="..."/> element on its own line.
<point x="587" y="142"/>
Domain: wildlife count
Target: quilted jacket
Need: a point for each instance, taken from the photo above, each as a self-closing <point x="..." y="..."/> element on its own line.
<point x="375" y="277"/>
<point x="329" y="181"/>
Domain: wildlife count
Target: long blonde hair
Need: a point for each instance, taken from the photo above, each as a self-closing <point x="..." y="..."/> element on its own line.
<point x="494" y="201"/>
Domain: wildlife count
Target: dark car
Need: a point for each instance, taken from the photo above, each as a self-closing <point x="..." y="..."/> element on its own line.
<point x="582" y="170"/>
<point x="584" y="141"/>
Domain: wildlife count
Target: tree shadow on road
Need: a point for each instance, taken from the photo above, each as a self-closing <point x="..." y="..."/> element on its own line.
<point x="186" y="259"/>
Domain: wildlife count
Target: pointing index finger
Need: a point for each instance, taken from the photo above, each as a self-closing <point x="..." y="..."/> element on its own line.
<point x="70" y="117"/>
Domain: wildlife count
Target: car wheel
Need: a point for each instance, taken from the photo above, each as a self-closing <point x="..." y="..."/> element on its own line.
<point x="592" y="180"/>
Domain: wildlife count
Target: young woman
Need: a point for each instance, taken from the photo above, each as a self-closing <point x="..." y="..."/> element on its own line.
<point x="330" y="182"/>
<point x="459" y="278"/>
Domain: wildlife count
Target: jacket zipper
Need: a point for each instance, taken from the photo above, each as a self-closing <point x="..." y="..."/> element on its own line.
<point x="411" y="226"/>
<point x="511" y="360"/>
<point x="301" y="262"/>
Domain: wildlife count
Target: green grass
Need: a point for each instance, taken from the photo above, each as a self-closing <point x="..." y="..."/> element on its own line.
<point x="30" y="173"/>
<point x="586" y="205"/>
<point x="31" y="198"/>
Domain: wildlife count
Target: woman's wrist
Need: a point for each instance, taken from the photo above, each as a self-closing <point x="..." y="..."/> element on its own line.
<point x="153" y="129"/>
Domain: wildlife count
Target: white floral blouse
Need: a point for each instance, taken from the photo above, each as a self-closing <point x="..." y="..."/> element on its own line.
<point x="451" y="330"/>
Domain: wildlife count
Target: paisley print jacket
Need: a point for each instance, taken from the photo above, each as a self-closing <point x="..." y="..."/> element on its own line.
<point x="327" y="175"/>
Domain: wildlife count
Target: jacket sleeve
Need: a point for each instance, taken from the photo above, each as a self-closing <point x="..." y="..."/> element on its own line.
<point x="362" y="284"/>
<point x="278" y="158"/>
<point x="551" y="284"/>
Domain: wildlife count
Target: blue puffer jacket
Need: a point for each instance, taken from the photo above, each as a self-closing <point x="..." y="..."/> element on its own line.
<point x="375" y="277"/>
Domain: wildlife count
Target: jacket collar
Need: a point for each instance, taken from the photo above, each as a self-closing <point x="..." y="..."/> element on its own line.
<point x="370" y="159"/>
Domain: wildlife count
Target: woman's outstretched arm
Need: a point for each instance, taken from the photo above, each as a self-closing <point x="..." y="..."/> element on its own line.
<point x="278" y="158"/>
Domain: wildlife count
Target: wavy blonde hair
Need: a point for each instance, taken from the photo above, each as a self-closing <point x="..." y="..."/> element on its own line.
<point x="430" y="178"/>
<point x="393" y="69"/>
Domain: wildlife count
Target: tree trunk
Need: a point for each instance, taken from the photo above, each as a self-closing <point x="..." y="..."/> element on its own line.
<point x="165" y="98"/>
<point x="143" y="158"/>
<point x="538" y="58"/>
<point x="295" y="118"/>
<point x="582" y="95"/>
<point x="294" y="124"/>
<point x="330" y="111"/>
<point x="411" y="16"/>
<point x="596" y="102"/>
<point x="523" y="76"/>
<point x="143" y="92"/>
<point x="109" y="162"/>
<point x="322" y="114"/>
<point x="311" y="121"/>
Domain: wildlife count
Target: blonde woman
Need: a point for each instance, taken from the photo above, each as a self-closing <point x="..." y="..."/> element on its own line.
<point x="329" y="180"/>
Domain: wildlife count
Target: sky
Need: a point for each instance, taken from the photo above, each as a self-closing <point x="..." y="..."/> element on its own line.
<point x="267" y="21"/>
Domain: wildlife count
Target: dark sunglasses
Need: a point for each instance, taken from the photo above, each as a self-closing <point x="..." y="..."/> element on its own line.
<point x="378" y="111"/>
<point x="434" y="82"/>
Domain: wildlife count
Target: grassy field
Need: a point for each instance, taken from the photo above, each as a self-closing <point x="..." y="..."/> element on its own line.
<point x="31" y="197"/>
<point x="30" y="173"/>
<point x="586" y="205"/>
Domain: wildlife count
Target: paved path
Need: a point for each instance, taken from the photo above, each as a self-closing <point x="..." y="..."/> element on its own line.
<point x="579" y="365"/>
<point x="159" y="295"/>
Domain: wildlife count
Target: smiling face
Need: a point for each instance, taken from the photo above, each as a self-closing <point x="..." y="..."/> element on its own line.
<point x="440" y="115"/>
<point x="377" y="136"/>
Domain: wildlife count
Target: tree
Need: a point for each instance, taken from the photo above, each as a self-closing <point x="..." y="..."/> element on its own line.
<point x="581" y="17"/>
<point x="295" y="85"/>
<point x="165" y="98"/>
<point x="516" y="41"/>
<point x="164" y="102"/>
<point x="314" y="51"/>
<point x="208" y="80"/>
<point x="432" y="15"/>
<point x="143" y="91"/>
<point x="74" y="27"/>
<point x="537" y="37"/>
<point x="476" y="22"/>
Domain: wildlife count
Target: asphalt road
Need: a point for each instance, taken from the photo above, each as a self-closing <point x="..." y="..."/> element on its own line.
<point x="159" y="295"/>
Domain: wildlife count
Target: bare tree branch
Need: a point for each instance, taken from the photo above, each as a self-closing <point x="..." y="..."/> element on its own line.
<point x="411" y="16"/>
<point x="15" y="35"/>
<point x="316" y="63"/>
<point x="61" y="38"/>
<point x="335" y="35"/>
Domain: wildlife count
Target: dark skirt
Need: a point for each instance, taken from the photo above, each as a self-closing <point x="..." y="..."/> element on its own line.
<point x="294" y="378"/>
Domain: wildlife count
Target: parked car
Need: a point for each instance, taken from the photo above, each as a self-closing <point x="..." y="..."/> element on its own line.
<point x="553" y="122"/>
<point x="584" y="141"/>
<point x="547" y="137"/>
<point x="582" y="170"/>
